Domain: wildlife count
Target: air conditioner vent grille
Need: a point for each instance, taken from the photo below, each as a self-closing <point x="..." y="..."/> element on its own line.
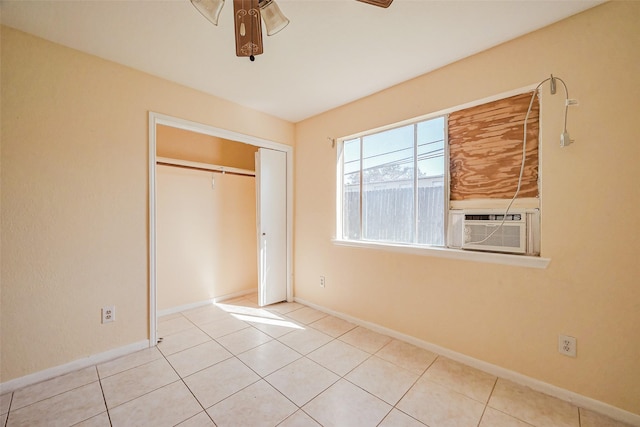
<point x="492" y="217"/>
<point x="509" y="236"/>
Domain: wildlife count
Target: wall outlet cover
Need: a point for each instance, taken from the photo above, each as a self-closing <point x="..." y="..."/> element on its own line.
<point x="567" y="345"/>
<point x="108" y="314"/>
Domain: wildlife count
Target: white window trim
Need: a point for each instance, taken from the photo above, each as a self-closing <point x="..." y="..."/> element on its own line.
<point x="435" y="251"/>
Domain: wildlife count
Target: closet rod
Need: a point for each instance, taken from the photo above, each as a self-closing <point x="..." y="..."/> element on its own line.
<point x="218" y="169"/>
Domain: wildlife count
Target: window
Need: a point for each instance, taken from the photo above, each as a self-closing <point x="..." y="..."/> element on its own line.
<point x="398" y="185"/>
<point x="393" y="185"/>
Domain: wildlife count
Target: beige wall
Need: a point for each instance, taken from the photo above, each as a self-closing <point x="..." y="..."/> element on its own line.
<point x="75" y="197"/>
<point x="185" y="145"/>
<point x="509" y="316"/>
<point x="206" y="235"/>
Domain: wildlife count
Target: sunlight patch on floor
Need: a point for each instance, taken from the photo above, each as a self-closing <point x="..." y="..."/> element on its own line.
<point x="266" y="320"/>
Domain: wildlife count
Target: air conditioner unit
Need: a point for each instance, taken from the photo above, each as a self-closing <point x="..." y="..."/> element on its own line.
<point x="485" y="230"/>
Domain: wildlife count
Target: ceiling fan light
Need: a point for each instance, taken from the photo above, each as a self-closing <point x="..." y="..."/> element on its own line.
<point x="210" y="9"/>
<point x="272" y="16"/>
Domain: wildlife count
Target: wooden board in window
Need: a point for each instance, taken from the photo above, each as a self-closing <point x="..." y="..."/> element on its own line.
<point x="485" y="149"/>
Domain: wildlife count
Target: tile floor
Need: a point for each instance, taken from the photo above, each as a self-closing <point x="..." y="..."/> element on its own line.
<point x="235" y="364"/>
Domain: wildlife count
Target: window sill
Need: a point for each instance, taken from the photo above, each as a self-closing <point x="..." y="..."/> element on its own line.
<point x="488" y="257"/>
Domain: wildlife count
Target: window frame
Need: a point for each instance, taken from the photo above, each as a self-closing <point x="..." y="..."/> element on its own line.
<point x="431" y="250"/>
<point x="415" y="181"/>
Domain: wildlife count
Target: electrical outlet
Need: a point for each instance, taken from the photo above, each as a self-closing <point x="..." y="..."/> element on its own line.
<point x="567" y="345"/>
<point x="108" y="314"/>
<point x="322" y="281"/>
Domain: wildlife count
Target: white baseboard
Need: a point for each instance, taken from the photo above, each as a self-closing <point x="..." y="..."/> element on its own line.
<point x="546" y="388"/>
<point x="236" y="295"/>
<point x="184" y="307"/>
<point x="85" y="362"/>
<point x="180" y="308"/>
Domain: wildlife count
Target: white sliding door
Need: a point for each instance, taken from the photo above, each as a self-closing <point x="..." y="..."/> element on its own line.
<point x="271" y="194"/>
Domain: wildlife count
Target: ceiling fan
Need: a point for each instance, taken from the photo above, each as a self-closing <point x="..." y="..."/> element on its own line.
<point x="249" y="15"/>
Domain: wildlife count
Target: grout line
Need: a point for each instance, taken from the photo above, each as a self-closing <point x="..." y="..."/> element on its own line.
<point x="579" y="417"/>
<point x="128" y="369"/>
<point x="181" y="379"/>
<point x="6" y="422"/>
<point x="281" y="393"/>
<point x="59" y="393"/>
<point x="486" y="405"/>
<point x="408" y="415"/>
<point x="386" y="416"/>
<point x="291" y="415"/>
<point x="310" y="416"/>
<point x="104" y="398"/>
<point x="148" y="392"/>
<point x="142" y="395"/>
<point x="512" y="416"/>
<point x="190" y="391"/>
<point x="235" y="392"/>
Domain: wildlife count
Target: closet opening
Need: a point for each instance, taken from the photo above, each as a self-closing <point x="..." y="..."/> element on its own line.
<point x="205" y="226"/>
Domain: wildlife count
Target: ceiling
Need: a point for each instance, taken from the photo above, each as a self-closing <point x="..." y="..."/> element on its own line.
<point x="333" y="51"/>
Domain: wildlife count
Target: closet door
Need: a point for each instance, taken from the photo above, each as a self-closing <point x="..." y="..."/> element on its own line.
<point x="271" y="193"/>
